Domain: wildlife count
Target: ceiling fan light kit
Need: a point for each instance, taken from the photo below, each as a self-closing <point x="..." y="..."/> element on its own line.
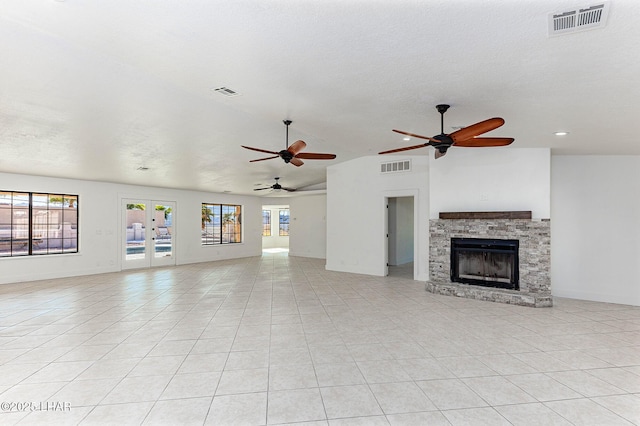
<point x="464" y="137"/>
<point x="292" y="153"/>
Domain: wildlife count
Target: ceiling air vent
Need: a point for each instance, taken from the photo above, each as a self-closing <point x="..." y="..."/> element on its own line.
<point x="395" y="166"/>
<point x="226" y="91"/>
<point x="571" y="21"/>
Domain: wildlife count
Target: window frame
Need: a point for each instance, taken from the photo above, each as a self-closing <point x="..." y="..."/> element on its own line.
<point x="218" y="238"/>
<point x="283" y="227"/>
<point x="44" y="226"/>
<point x="266" y="226"/>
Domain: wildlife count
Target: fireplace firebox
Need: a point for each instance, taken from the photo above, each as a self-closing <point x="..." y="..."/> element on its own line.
<point x="485" y="262"/>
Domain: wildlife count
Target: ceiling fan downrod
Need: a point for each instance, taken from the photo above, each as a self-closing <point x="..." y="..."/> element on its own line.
<point x="286" y="141"/>
<point x="442" y="108"/>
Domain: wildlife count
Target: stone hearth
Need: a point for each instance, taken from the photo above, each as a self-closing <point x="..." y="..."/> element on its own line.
<point x="534" y="253"/>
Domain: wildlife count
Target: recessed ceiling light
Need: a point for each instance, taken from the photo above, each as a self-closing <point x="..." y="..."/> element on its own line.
<point x="406" y="139"/>
<point x="561" y="133"/>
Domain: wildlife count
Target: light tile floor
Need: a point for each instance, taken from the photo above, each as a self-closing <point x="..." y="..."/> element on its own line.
<point x="280" y="340"/>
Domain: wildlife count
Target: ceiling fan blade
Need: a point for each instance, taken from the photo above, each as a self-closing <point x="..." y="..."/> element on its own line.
<point x="406" y="148"/>
<point x="296" y="162"/>
<point x="261" y="189"/>
<point x="481" y="142"/>
<point x="288" y="189"/>
<point x="262" y="159"/>
<point x="476" y="129"/>
<point x="439" y="154"/>
<point x="315" y="156"/>
<point x="296" y="147"/>
<point x="416" y="136"/>
<point x="259" y="150"/>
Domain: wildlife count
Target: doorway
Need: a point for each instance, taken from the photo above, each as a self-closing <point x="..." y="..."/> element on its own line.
<point x="148" y="230"/>
<point x="275" y="228"/>
<point x="400" y="237"/>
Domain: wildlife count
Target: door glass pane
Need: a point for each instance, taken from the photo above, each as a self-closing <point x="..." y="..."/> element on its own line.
<point x="135" y="240"/>
<point x="163" y="246"/>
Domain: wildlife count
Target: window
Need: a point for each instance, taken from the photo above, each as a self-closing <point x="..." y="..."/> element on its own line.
<point x="266" y="223"/>
<point x="37" y="224"/>
<point x="284" y="222"/>
<point x="221" y="224"/>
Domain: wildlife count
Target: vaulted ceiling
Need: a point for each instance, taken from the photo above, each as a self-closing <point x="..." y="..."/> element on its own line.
<point x="98" y="89"/>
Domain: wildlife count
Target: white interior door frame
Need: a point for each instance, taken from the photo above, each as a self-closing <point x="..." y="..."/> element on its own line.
<point x="416" y="215"/>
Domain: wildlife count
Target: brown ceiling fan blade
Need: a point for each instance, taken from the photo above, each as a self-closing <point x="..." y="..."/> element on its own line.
<point x="261" y="189"/>
<point x="476" y="129"/>
<point x="259" y="150"/>
<point x="262" y="159"/>
<point x="406" y="148"/>
<point x="296" y="147"/>
<point x="296" y="162"/>
<point x="288" y="189"/>
<point x="481" y="142"/>
<point x="416" y="136"/>
<point x="315" y="156"/>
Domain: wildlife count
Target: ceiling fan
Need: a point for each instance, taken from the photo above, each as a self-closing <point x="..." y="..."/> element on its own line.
<point x="292" y="153"/>
<point x="465" y="137"/>
<point x="275" y="187"/>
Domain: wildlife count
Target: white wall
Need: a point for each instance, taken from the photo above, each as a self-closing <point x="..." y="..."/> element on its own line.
<point x="491" y="179"/>
<point x="400" y="230"/>
<point x="100" y="228"/>
<point x="308" y="226"/>
<point x="356" y="217"/>
<point x="595" y="228"/>
<point x="275" y="240"/>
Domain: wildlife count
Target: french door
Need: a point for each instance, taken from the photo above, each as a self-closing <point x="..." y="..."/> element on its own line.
<point x="148" y="233"/>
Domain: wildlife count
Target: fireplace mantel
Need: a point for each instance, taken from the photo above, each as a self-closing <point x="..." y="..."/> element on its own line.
<point x="524" y="214"/>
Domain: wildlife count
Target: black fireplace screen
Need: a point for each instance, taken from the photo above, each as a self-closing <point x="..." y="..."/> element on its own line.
<point x="485" y="262"/>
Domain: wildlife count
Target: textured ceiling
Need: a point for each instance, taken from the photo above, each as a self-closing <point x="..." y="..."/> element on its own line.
<point x="96" y="89"/>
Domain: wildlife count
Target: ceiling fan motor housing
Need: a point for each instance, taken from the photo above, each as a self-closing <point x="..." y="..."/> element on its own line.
<point x="285" y="155"/>
<point x="445" y="142"/>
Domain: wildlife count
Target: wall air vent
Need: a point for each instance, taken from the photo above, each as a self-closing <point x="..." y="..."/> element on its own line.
<point x="395" y="166"/>
<point x="226" y="91"/>
<point x="579" y="19"/>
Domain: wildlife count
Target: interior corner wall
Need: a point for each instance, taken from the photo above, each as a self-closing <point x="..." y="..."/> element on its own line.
<point x="100" y="230"/>
<point x="356" y="217"/>
<point x="595" y="228"/>
<point x="491" y="179"/>
<point x="308" y="226"/>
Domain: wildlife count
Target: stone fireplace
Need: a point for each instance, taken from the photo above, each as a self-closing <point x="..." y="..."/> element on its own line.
<point x="496" y="256"/>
